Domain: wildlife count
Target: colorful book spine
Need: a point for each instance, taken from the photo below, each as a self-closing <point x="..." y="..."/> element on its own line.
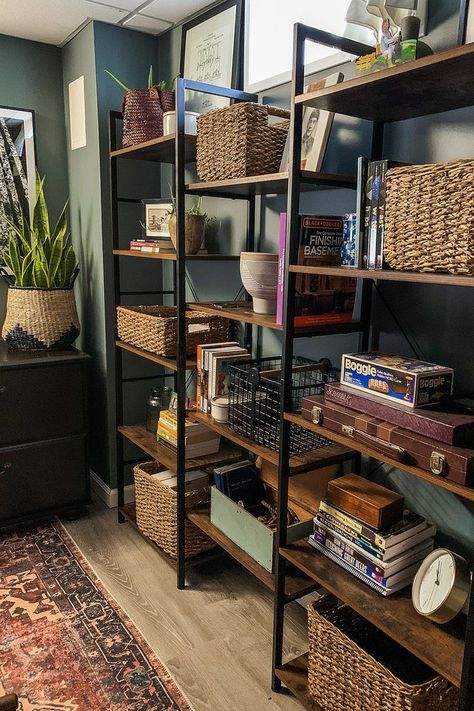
<point x="367" y="212"/>
<point x="374" y="216"/>
<point x="381" y="216"/>
<point x="281" y="268"/>
<point x="358" y="528"/>
<point x="349" y="534"/>
<point x="362" y="165"/>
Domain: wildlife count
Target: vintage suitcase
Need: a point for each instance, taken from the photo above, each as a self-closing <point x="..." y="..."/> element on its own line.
<point x="369" y="502"/>
<point x="434" y="422"/>
<point x="453" y="463"/>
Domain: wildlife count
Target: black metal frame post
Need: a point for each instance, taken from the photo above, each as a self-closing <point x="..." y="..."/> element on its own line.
<point x="301" y="34"/>
<point x="183" y="85"/>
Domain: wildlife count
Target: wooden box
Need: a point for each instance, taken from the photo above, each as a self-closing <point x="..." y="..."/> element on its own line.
<point x="369" y="502"/>
<point x="248" y="532"/>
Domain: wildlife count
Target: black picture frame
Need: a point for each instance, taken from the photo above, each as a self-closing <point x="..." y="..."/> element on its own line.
<point x="238" y="54"/>
<point x="463" y="19"/>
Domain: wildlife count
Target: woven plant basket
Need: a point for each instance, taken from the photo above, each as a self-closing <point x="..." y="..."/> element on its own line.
<point x="167" y="99"/>
<point x="429" y="220"/>
<point x="156" y="508"/>
<point x="236" y="142"/>
<point x="142" y="116"/>
<point x="40" y="319"/>
<point x="154" y="328"/>
<point x="343" y="675"/>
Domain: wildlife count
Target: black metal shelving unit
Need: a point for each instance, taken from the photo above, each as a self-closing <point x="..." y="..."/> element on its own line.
<point x="448" y="650"/>
<point x="178" y="151"/>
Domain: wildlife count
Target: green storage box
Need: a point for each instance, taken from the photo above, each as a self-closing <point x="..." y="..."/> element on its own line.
<point x="249" y="533"/>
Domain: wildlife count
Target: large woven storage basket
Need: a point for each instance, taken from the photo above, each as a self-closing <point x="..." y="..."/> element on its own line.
<point x="429" y="218"/>
<point x="237" y="141"/>
<point x="344" y="676"/>
<point x="156" y="509"/>
<point x="154" y="328"/>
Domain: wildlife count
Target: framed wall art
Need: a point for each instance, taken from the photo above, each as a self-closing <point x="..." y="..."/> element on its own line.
<point x="212" y="52"/>
<point x="17" y="166"/>
<point x="156" y="218"/>
<point x="466" y="22"/>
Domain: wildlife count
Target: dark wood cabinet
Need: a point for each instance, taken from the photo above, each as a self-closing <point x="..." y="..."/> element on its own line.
<point x="43" y="433"/>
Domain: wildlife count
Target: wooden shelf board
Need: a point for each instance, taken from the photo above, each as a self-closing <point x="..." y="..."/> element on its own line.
<point x="294" y="675"/>
<point x="429" y="85"/>
<point x="439" y="646"/>
<point x="161" y="150"/>
<point x="324" y="456"/>
<point x="146" y="441"/>
<point x="297" y="583"/>
<point x="161" y="360"/>
<point x="457" y="489"/>
<point x="167" y="256"/>
<point x="270" y="184"/>
<point x="244" y="313"/>
<point x="388" y="275"/>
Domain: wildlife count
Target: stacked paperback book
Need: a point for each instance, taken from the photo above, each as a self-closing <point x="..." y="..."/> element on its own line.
<point x="152" y="246"/>
<point x="386" y="560"/>
<point x="200" y="441"/>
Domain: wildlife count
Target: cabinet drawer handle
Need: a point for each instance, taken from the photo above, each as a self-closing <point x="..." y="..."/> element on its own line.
<point x="3" y="389"/>
<point x="5" y="468"/>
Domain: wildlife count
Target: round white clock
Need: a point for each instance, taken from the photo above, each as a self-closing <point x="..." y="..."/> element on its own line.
<point x="441" y="586"/>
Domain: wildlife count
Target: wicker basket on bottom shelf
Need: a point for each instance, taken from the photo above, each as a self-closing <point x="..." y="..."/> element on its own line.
<point x="343" y="672"/>
<point x="157" y="512"/>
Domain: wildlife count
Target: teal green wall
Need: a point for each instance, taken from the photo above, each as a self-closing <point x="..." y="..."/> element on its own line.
<point x="31" y="78"/>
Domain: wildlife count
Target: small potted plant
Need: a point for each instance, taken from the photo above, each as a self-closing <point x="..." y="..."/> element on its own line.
<point x="194" y="226"/>
<point x="41" y="310"/>
<point x="143" y="110"/>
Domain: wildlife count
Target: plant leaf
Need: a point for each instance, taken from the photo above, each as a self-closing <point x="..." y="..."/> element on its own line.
<point x="61" y="224"/>
<point x="120" y="83"/>
<point x="15" y="265"/>
<point x="69" y="265"/>
<point x="57" y="253"/>
<point x="40" y="215"/>
<point x="40" y="275"/>
<point x="150" y="77"/>
<point x="26" y="278"/>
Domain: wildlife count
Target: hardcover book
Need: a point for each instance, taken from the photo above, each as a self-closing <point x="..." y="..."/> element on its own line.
<point x="322" y="299"/>
<point x="240" y="482"/>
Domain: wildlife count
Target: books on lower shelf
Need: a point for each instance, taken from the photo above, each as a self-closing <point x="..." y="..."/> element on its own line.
<point x="385" y="560"/>
<point x="194" y="480"/>
<point x="239" y="481"/>
<point x="199" y="439"/>
<point x="156" y="246"/>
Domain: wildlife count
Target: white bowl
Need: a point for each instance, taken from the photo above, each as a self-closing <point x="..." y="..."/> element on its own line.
<point x="259" y="274"/>
<point x="190" y="122"/>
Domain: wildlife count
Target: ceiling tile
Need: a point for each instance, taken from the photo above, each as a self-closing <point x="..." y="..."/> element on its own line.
<point x="51" y="21"/>
<point x="128" y="5"/>
<point x="174" y="10"/>
<point x="146" y="24"/>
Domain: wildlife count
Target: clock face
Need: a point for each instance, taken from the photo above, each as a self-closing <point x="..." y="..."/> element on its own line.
<point x="436" y="578"/>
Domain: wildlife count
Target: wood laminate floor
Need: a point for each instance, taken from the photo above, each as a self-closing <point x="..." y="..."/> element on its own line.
<point x="214" y="637"/>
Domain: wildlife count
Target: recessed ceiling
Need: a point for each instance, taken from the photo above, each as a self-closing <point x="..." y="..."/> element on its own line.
<point x="55" y="21"/>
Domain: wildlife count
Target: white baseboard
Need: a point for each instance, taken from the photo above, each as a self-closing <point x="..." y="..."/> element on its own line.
<point x="109" y="496"/>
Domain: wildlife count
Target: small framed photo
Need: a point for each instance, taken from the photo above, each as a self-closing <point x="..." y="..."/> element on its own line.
<point x="157" y="215"/>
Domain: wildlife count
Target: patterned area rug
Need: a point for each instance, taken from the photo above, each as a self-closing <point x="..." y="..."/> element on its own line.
<point x="65" y="645"/>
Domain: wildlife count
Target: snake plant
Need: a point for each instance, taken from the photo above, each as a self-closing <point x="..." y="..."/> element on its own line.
<point x="37" y="255"/>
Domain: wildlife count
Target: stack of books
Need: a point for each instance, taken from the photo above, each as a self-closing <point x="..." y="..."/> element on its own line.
<point x="152" y="246"/>
<point x="212" y="370"/>
<point x="194" y="481"/>
<point x="387" y="560"/>
<point x="199" y="440"/>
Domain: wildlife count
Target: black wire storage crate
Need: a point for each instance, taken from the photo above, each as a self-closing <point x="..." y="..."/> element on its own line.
<point x="254" y="399"/>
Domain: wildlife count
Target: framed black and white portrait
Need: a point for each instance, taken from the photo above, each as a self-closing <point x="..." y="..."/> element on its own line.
<point x="17" y="166"/>
<point x="212" y="52"/>
<point x="466" y="22"/>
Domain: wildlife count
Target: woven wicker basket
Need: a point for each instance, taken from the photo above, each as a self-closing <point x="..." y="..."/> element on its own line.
<point x="343" y="675"/>
<point x="156" y="509"/>
<point x="236" y="142"/>
<point x="429" y="220"/>
<point x="40" y="319"/>
<point x="142" y="116"/>
<point x="154" y="328"/>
